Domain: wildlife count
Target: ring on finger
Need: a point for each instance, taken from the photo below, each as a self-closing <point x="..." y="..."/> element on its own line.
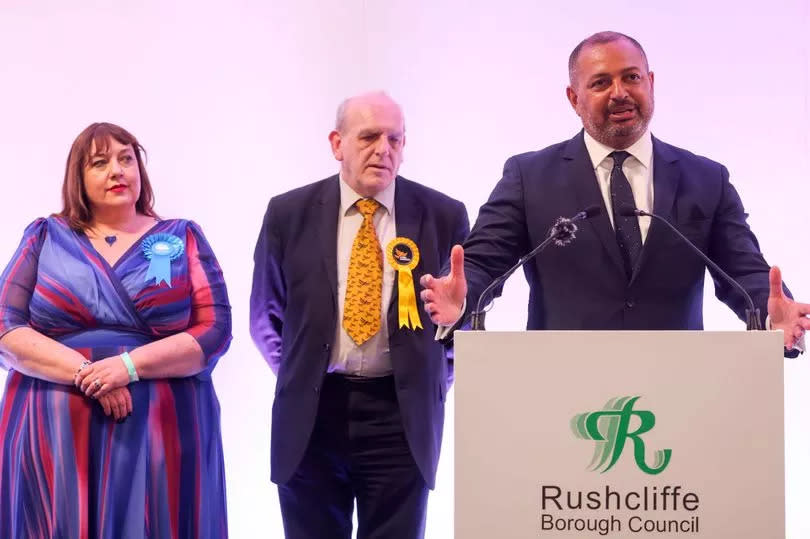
<point x="84" y="364"/>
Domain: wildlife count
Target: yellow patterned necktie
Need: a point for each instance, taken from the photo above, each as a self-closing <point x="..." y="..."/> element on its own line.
<point x="361" y="310"/>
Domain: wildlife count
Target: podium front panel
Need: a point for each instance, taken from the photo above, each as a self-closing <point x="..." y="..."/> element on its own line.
<point x="576" y="434"/>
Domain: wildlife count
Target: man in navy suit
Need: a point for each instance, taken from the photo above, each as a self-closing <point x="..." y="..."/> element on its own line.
<point x="361" y="381"/>
<point x="620" y="272"/>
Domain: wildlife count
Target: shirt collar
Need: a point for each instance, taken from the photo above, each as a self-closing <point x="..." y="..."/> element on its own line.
<point x="349" y="196"/>
<point x="640" y="149"/>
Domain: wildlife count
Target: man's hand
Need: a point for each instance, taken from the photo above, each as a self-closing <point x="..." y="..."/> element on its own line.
<point x="788" y="315"/>
<point x="444" y="296"/>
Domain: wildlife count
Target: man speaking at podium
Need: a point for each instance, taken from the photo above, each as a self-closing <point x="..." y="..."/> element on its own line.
<point x="621" y="272"/>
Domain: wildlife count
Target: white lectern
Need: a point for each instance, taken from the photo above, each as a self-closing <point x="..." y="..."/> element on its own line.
<point x="578" y="434"/>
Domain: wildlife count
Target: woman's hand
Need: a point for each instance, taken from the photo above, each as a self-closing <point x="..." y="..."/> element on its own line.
<point x="117" y="403"/>
<point x="101" y="377"/>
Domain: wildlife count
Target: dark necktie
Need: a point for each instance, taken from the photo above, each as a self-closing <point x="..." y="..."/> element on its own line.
<point x="628" y="234"/>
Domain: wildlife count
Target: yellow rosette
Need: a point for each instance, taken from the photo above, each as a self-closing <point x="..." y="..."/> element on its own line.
<point x="403" y="255"/>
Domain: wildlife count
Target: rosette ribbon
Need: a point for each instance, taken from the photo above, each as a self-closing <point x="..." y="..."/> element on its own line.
<point x="160" y="250"/>
<point x="403" y="255"/>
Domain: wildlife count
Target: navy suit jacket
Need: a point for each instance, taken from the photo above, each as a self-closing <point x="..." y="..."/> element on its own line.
<point x="584" y="285"/>
<point x="294" y="314"/>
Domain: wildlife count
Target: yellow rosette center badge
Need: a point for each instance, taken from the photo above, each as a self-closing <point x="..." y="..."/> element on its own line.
<point x="403" y="255"/>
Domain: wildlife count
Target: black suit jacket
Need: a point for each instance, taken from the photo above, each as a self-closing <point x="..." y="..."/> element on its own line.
<point x="294" y="314"/>
<point x="584" y="285"/>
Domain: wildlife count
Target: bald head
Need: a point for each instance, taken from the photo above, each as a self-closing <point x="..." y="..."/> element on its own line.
<point x="376" y="98"/>
<point x="368" y="139"/>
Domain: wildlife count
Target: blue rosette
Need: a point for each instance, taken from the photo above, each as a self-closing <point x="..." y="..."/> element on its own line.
<point x="160" y="250"/>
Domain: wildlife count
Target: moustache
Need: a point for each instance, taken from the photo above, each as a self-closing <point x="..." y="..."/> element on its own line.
<point x="619" y="106"/>
<point x="626" y="101"/>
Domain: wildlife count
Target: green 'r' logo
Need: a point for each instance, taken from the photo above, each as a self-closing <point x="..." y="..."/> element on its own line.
<point x="610" y="429"/>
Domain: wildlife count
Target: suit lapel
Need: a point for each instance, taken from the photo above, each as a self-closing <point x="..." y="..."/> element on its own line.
<point x="580" y="171"/>
<point x="328" y="207"/>
<point x="666" y="177"/>
<point x="408" y="216"/>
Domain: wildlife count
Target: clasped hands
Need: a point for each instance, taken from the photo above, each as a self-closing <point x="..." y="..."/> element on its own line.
<point x="106" y="381"/>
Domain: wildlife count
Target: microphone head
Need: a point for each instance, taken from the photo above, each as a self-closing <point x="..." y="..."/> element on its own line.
<point x="626" y="210"/>
<point x="564" y="231"/>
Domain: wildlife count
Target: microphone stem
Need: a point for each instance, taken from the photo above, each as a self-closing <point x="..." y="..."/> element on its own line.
<point x="752" y="322"/>
<point x="477" y="320"/>
<point x="477" y="316"/>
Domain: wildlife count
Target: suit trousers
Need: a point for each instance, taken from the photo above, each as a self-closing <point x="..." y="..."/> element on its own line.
<point x="357" y="451"/>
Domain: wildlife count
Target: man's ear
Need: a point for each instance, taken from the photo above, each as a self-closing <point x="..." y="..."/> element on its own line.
<point x="335" y="140"/>
<point x="572" y="96"/>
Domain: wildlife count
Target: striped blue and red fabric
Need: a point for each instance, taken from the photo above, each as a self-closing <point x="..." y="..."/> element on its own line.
<point x="66" y="469"/>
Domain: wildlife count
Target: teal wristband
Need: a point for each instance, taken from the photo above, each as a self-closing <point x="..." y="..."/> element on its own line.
<point x="133" y="374"/>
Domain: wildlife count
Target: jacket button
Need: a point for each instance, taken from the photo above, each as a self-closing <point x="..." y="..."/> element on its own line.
<point x="316" y="389"/>
<point x="629" y="304"/>
<point x="326" y="347"/>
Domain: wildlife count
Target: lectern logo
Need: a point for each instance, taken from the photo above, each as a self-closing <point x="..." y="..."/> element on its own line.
<point x="610" y="429"/>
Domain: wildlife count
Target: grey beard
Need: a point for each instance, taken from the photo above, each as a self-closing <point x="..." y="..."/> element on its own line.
<point x="625" y="130"/>
<point x="608" y="135"/>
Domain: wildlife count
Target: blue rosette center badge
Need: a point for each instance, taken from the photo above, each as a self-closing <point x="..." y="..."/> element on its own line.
<point x="160" y="250"/>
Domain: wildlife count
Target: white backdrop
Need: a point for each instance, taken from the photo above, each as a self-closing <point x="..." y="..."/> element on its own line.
<point x="233" y="102"/>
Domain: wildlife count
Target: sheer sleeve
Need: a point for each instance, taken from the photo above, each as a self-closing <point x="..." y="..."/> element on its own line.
<point x="20" y="277"/>
<point x="210" y="322"/>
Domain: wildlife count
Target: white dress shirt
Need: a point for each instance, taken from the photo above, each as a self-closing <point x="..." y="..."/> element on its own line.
<point x="638" y="168"/>
<point x="372" y="358"/>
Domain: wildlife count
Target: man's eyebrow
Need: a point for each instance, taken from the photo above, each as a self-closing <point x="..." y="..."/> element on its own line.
<point x="606" y="74"/>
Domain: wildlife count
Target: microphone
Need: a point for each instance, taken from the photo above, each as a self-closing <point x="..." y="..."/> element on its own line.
<point x="752" y="320"/>
<point x="561" y="233"/>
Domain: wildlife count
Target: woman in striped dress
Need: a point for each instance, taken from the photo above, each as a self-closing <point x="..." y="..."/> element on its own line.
<point x="111" y="321"/>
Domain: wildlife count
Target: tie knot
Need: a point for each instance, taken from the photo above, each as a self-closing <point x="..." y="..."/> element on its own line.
<point x="367" y="206"/>
<point x="619" y="157"/>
